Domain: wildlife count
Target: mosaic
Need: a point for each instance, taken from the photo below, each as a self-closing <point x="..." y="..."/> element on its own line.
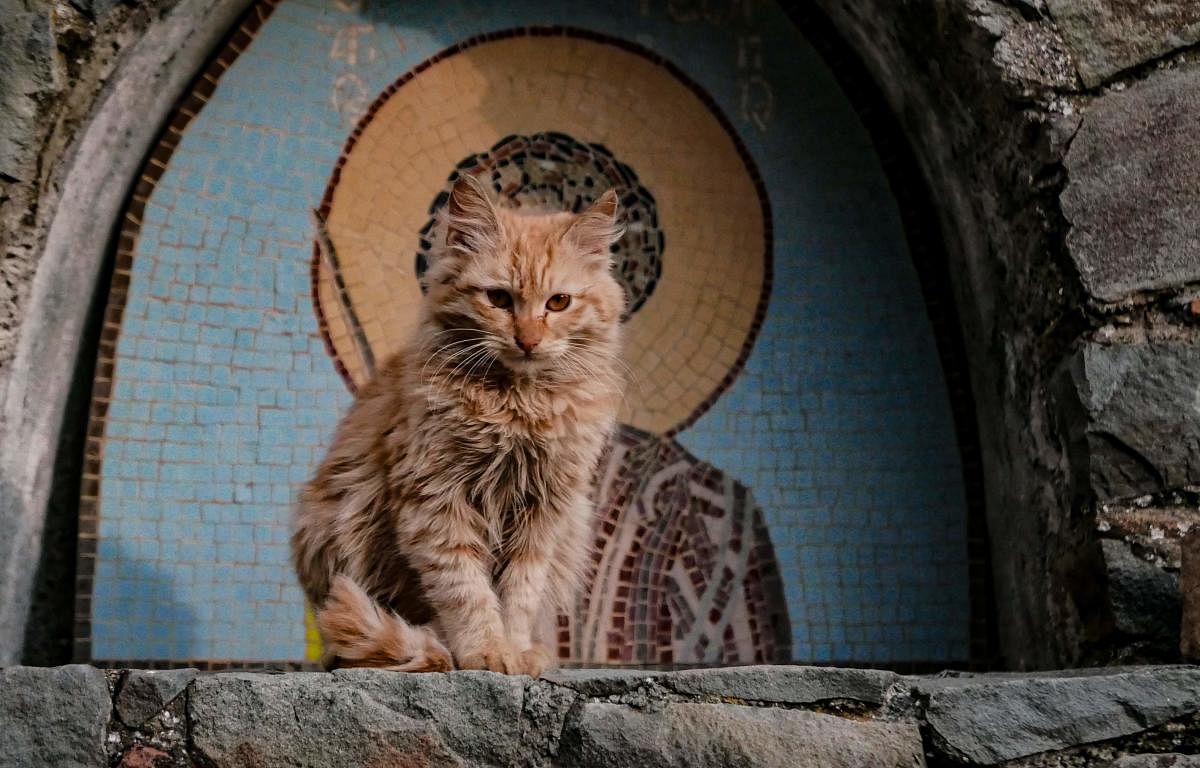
<point x="785" y="484"/>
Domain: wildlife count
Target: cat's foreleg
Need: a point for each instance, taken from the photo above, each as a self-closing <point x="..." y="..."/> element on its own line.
<point x="543" y="574"/>
<point x="522" y="588"/>
<point x="451" y="556"/>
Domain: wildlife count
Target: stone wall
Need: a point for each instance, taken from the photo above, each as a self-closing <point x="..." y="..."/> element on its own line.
<point x="747" y="716"/>
<point x="1056" y="139"/>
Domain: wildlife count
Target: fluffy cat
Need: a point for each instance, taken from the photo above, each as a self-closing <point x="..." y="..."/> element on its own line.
<point x="452" y="508"/>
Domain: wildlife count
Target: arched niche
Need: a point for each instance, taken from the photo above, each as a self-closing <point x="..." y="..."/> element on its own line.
<point x="853" y="582"/>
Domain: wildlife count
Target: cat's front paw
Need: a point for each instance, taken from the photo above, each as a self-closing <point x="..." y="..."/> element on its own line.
<point x="536" y="660"/>
<point x="495" y="658"/>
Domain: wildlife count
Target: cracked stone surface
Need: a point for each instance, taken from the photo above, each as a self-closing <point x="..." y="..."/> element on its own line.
<point x="1189" y="588"/>
<point x="1145" y="598"/>
<point x="544" y="714"/>
<point x="27" y="49"/>
<point x="1157" y="761"/>
<point x="468" y="718"/>
<point x="703" y="735"/>
<point x="988" y="720"/>
<point x="145" y="693"/>
<point x="1108" y="36"/>
<point x="1119" y="402"/>
<point x="792" y="685"/>
<point x="53" y="717"/>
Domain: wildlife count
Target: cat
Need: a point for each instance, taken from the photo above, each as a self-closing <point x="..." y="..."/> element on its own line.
<point x="452" y="508"/>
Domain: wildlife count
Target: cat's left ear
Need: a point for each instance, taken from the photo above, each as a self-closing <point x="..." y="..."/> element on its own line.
<point x="472" y="225"/>
<point x="595" y="230"/>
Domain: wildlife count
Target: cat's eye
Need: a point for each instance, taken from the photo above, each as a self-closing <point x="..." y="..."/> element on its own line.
<point x="558" y="302"/>
<point x="500" y="298"/>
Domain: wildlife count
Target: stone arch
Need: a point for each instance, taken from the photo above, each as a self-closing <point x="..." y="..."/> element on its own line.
<point x="1061" y="224"/>
<point x="73" y="312"/>
<point x="928" y="248"/>
<point x="939" y="120"/>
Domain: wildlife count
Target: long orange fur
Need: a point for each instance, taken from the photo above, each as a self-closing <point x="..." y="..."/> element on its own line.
<point x="451" y="510"/>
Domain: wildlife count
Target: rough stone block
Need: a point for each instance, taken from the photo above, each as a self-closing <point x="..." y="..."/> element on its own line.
<point x="1130" y="415"/>
<point x="27" y="50"/>
<point x="357" y="717"/>
<point x="544" y="711"/>
<point x="1144" y="598"/>
<point x="603" y="682"/>
<point x="785" y="684"/>
<point x="703" y="735"/>
<point x="1189" y="588"/>
<point x="53" y="716"/>
<point x="988" y="720"/>
<point x="144" y="693"/>
<point x="1133" y="195"/>
<point x="1108" y="36"/>
<point x="775" y="684"/>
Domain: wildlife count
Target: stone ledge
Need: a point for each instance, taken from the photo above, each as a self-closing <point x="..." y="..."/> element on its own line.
<point x="745" y="716"/>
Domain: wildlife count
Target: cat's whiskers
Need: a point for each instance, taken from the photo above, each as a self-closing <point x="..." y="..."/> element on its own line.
<point x="479" y="339"/>
<point x="436" y="351"/>
<point x="577" y="346"/>
<point x="445" y="359"/>
<point x="433" y="351"/>
<point x="474" y="360"/>
<point x="479" y="360"/>
<point x="441" y="383"/>
<point x="595" y="369"/>
<point x="456" y="363"/>
<point x="470" y="356"/>
<point x="587" y="370"/>
<point x="630" y="376"/>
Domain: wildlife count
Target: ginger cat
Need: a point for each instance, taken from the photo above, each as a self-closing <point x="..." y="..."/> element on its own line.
<point x="452" y="508"/>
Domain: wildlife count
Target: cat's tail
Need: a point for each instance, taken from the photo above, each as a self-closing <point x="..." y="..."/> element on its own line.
<point x="358" y="632"/>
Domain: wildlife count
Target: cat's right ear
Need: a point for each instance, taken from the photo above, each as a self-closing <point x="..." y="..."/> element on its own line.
<point x="472" y="225"/>
<point x="595" y="230"/>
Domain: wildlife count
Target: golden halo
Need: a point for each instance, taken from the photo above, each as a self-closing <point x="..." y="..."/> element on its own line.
<point x="690" y="337"/>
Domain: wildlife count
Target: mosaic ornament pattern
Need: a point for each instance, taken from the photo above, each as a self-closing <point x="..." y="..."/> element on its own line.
<point x="786" y="482"/>
<point x="683" y="569"/>
<point x="554" y="172"/>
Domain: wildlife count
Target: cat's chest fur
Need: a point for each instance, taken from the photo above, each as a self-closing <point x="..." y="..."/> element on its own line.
<point x="507" y="473"/>
<point x="508" y="452"/>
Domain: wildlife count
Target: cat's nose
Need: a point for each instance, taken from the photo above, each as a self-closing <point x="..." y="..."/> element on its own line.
<point x="527" y="344"/>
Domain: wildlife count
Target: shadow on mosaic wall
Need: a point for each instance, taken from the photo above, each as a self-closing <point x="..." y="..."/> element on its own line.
<point x="683" y="570"/>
